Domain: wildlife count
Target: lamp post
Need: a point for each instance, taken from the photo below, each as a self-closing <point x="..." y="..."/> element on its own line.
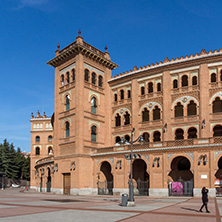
<point x="131" y="188"/>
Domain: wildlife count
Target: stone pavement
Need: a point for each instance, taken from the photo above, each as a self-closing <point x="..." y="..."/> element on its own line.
<point x="19" y="205"/>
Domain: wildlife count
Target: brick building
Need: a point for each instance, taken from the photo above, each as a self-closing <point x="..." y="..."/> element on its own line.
<point x="175" y="104"/>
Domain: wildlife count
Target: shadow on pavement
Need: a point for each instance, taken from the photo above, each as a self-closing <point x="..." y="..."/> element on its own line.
<point x="184" y="208"/>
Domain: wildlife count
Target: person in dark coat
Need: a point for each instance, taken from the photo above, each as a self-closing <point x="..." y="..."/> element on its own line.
<point x="204" y="199"/>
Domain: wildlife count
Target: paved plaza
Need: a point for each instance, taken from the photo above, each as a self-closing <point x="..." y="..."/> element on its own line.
<point x="19" y="205"/>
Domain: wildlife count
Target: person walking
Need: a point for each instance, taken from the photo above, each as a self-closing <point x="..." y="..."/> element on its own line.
<point x="204" y="192"/>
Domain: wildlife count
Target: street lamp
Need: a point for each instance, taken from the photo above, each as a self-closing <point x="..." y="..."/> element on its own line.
<point x="131" y="188"/>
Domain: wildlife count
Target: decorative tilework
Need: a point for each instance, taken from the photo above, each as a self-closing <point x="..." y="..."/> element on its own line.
<point x="63" y="121"/>
<point x="214" y="124"/>
<point x="69" y="68"/>
<point x="185" y="127"/>
<point x="147" y="157"/>
<point x="91" y="122"/>
<point x="213" y="71"/>
<point x="218" y="94"/>
<point x="169" y="155"/>
<point x="184" y="100"/>
<point x="190" y="155"/>
<point x="92" y="69"/>
<point x="216" y="153"/>
<point x="175" y="77"/>
<point x="150" y="106"/>
<point x="96" y="94"/>
<point x="111" y="159"/>
<point x="121" y="111"/>
<point x="194" y="74"/>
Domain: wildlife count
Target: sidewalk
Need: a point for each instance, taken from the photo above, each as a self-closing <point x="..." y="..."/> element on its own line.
<point x="33" y="206"/>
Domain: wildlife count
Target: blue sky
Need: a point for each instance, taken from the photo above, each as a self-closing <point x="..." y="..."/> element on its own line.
<point x="136" y="32"/>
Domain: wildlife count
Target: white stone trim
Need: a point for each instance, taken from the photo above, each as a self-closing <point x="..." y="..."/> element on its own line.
<point x="215" y="64"/>
<point x="184" y="70"/>
<point x="197" y="192"/>
<point x="149" y="77"/>
<point x="120" y="85"/>
<point x="159" y="192"/>
<point x="84" y="191"/>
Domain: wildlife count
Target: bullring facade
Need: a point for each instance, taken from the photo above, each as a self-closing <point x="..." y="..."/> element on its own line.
<point x="175" y="104"/>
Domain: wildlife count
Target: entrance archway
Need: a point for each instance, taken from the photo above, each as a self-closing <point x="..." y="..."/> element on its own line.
<point x="180" y="177"/>
<point x="105" y="179"/>
<point x="48" y="184"/>
<point x="140" y="177"/>
<point x="218" y="178"/>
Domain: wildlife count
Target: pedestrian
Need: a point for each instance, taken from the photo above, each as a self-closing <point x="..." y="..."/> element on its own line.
<point x="27" y="188"/>
<point x="204" y="192"/>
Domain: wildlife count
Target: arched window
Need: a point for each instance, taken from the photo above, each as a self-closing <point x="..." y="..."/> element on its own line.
<point x="150" y="87"/>
<point x="158" y="87"/>
<point x="50" y="150"/>
<point x="93" y="105"/>
<point x="217" y="105"/>
<point x="220" y="75"/>
<point x="67" y="77"/>
<point x="178" y="110"/>
<point x="62" y="80"/>
<point x="37" y="151"/>
<point x="115" y="97"/>
<point x="37" y="139"/>
<point x="146" y="137"/>
<point x="94" y="78"/>
<point x="217" y="130"/>
<point x="194" y="81"/>
<point x="184" y="80"/>
<point x="73" y="75"/>
<point x="118" y="139"/>
<point x="127" y="138"/>
<point x="192" y="133"/>
<point x="67" y="102"/>
<point x="175" y="84"/>
<point x="50" y="138"/>
<point x="93" y="133"/>
<point x="118" y="119"/>
<point x="179" y="134"/>
<point x="142" y="90"/>
<point x="67" y="129"/>
<point x="129" y="94"/>
<point x="213" y="77"/>
<point x="121" y="94"/>
<point x="100" y="81"/>
<point x="86" y="75"/>
<point x="191" y="108"/>
<point x="156" y="113"/>
<point x="156" y="136"/>
<point x="145" y="115"/>
<point x="126" y="118"/>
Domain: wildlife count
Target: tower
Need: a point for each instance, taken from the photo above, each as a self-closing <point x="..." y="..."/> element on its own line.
<point x="82" y="117"/>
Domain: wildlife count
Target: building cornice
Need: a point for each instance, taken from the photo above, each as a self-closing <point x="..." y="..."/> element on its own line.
<point x="40" y="119"/>
<point x="79" y="48"/>
<point x="167" y="64"/>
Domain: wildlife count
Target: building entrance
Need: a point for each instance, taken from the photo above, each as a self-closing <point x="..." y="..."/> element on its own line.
<point x="66" y="183"/>
<point x="181" y="178"/>
<point x="48" y="184"/>
<point x="105" y="180"/>
<point x="218" y="179"/>
<point x="140" y="177"/>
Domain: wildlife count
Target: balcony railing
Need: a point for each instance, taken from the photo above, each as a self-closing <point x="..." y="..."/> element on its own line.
<point x="45" y="160"/>
<point x="163" y="144"/>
